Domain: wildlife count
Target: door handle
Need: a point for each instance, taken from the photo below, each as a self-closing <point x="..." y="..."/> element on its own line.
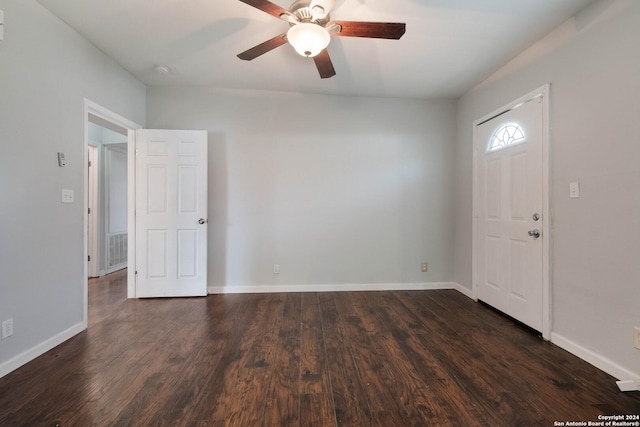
<point x="535" y="233"/>
<point x="202" y="221"/>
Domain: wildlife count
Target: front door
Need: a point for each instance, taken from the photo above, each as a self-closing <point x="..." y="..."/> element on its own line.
<point x="509" y="158"/>
<point x="171" y="213"/>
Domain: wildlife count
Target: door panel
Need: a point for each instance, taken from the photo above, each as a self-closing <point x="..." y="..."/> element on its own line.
<point x="156" y="254"/>
<point x="187" y="254"/>
<point x="171" y="212"/>
<point x="509" y="192"/>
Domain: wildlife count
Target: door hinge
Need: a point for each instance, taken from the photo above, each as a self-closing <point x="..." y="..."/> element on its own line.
<point x="88" y="257"/>
<point x="89" y="163"/>
<point x="89" y="210"/>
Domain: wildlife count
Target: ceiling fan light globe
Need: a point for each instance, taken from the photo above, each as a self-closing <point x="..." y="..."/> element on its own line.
<point x="308" y="39"/>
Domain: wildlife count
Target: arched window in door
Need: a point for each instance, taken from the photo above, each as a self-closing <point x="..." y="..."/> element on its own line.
<point x="506" y="135"/>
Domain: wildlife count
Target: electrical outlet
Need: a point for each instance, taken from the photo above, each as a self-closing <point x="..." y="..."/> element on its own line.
<point x="424" y="267"/>
<point x="636" y="337"/>
<point x="276" y="268"/>
<point x="7" y="328"/>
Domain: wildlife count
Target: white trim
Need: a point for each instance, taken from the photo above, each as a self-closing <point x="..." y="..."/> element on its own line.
<point x="93" y="195"/>
<point x="546" y="223"/>
<point x="595" y="359"/>
<point x="131" y="215"/>
<point x="474" y="215"/>
<point x="463" y="290"/>
<point x="628" y="385"/>
<point x="546" y="213"/>
<point x="27" y="356"/>
<point x="101" y="112"/>
<point x="348" y="287"/>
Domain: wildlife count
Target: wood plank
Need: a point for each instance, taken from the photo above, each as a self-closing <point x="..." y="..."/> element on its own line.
<point x="375" y="374"/>
<point x="317" y="410"/>
<point x="313" y="373"/>
<point x="467" y="365"/>
<point x="351" y="407"/>
<point x="414" y="395"/>
<point x="282" y="407"/>
<point x="236" y="382"/>
<point x="458" y="408"/>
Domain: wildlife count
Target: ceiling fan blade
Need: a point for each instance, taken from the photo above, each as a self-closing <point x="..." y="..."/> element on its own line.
<point x="264" y="47"/>
<point x="324" y="64"/>
<point x="376" y="30"/>
<point x="268" y="7"/>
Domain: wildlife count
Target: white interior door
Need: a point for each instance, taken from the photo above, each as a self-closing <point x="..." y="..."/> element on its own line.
<point x="171" y="213"/>
<point x="509" y="158"/>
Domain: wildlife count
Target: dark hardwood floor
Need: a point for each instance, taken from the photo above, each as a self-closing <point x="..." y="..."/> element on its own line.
<point x="421" y="358"/>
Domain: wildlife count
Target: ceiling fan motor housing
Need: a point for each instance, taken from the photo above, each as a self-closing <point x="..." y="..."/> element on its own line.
<point x="301" y="9"/>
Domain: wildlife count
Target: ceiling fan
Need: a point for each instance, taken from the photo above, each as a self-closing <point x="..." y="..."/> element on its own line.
<point x="311" y="30"/>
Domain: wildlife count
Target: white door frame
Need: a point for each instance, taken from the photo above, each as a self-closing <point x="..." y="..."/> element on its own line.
<point x="546" y="210"/>
<point x="105" y="114"/>
<point x="92" y="203"/>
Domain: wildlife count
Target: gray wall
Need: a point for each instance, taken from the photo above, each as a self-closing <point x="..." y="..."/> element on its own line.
<point x="336" y="190"/>
<point x="46" y="71"/>
<point x="593" y="66"/>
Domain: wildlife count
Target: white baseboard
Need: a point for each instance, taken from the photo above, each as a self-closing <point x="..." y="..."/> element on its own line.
<point x="464" y="291"/>
<point x="115" y="268"/>
<point x="27" y="356"/>
<point x="595" y="359"/>
<point x="330" y="288"/>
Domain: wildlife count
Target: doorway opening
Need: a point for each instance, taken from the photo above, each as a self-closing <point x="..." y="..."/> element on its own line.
<point x="108" y="194"/>
<point x="107" y="197"/>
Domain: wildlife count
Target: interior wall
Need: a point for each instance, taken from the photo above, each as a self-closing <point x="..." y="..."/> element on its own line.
<point x="593" y="69"/>
<point x="47" y="71"/>
<point x="336" y="190"/>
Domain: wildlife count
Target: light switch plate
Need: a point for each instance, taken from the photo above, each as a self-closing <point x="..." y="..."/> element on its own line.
<point x="67" y="196"/>
<point x="574" y="190"/>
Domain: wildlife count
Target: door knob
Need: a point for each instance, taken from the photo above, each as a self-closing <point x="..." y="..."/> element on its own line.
<point x="202" y="221"/>
<point x="535" y="233"/>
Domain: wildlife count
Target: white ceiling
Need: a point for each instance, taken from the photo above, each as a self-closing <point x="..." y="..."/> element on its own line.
<point x="449" y="46"/>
